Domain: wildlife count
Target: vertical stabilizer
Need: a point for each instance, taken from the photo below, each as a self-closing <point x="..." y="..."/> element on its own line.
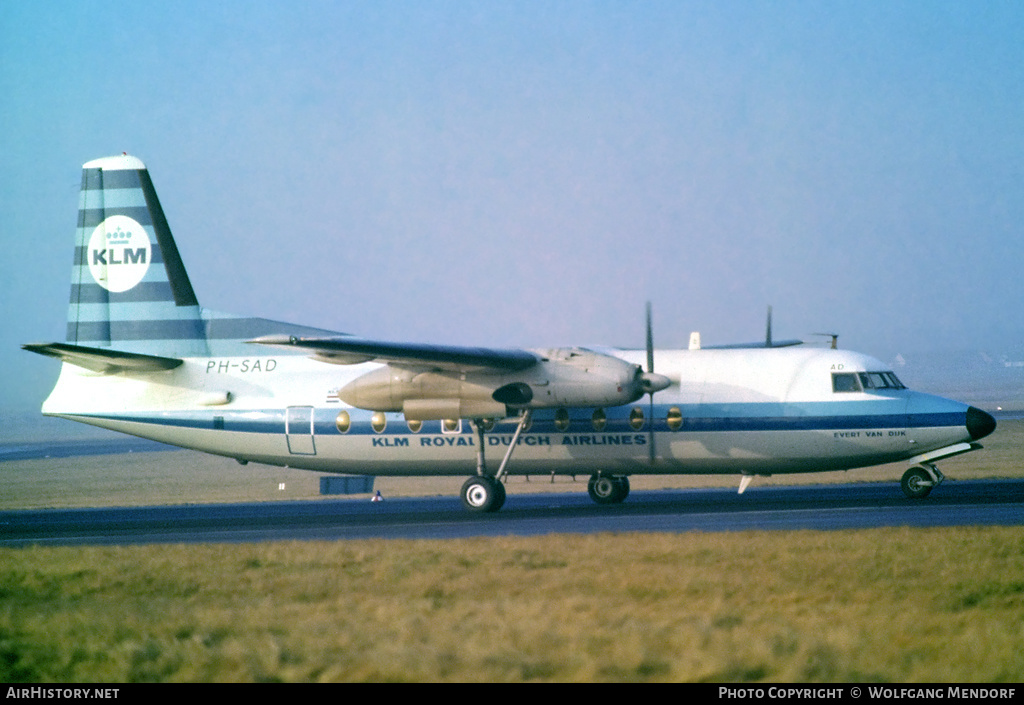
<point x="129" y="288"/>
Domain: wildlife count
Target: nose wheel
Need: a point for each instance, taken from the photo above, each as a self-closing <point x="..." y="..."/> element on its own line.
<point x="920" y="480"/>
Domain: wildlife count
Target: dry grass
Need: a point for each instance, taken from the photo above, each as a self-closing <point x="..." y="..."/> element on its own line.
<point x="892" y="604"/>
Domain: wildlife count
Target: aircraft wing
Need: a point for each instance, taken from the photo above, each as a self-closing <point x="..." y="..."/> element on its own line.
<point x="350" y="350"/>
<point x="104" y="360"/>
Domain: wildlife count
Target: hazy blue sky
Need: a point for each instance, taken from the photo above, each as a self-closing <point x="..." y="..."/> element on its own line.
<point x="529" y="173"/>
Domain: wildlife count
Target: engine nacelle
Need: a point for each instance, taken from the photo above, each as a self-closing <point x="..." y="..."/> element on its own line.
<point x="570" y="377"/>
<point x="579" y="377"/>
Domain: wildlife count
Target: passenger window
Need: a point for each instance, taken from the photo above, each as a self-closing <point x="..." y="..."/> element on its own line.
<point x="845" y="382"/>
<point x="562" y="420"/>
<point x="675" y="418"/>
<point x="343" y="422"/>
<point x="636" y="418"/>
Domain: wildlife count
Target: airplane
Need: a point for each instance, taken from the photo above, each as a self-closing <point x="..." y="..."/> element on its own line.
<point x="143" y="358"/>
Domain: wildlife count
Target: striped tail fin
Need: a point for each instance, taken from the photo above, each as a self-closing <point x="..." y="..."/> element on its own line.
<point x="129" y="288"/>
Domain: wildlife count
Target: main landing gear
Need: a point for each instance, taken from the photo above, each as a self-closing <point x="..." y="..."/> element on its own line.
<point x="485" y="492"/>
<point x="608" y="489"/>
<point x="919" y="480"/>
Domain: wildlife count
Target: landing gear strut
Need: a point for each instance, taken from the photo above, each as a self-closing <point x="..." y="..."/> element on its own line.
<point x="485" y="492"/>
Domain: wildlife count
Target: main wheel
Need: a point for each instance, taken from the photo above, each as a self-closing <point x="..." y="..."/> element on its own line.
<point x="916" y="483"/>
<point x="483" y="494"/>
<point x="605" y="489"/>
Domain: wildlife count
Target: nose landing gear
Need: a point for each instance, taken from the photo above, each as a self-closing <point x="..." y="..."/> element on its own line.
<point x="920" y="480"/>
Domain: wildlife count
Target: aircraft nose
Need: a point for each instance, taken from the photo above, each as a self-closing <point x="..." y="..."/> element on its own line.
<point x="979" y="423"/>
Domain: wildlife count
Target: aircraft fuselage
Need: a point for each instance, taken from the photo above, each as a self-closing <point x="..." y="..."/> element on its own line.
<point x="754" y="411"/>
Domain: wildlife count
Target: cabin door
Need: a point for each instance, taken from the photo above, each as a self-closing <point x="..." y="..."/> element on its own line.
<point x="298" y="429"/>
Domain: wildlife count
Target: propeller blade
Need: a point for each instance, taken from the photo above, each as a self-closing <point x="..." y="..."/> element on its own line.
<point x="650" y="340"/>
<point x="648" y="383"/>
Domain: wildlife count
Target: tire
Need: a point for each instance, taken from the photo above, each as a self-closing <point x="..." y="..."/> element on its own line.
<point x="482" y="494"/>
<point x="916" y="483"/>
<point x="606" y="489"/>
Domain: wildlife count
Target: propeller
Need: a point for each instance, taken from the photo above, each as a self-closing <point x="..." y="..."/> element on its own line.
<point x="650" y="340"/>
<point x="652" y="382"/>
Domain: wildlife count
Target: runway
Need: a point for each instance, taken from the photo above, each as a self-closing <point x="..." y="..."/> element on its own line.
<point x="819" y="507"/>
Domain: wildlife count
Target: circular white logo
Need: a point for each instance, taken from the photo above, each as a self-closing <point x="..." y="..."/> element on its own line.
<point x="119" y="253"/>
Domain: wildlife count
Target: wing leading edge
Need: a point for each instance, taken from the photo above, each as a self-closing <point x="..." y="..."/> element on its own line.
<point x="351" y="350"/>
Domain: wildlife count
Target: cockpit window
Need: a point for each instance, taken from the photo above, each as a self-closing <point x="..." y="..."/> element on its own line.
<point x="864" y="381"/>
<point x="845" y="382"/>
<point x="880" y="380"/>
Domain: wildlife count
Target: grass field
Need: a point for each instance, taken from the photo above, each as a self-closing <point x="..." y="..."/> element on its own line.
<point x="878" y="605"/>
<point x="908" y="605"/>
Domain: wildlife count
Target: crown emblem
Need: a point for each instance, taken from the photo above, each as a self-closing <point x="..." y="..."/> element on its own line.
<point x="119" y="236"/>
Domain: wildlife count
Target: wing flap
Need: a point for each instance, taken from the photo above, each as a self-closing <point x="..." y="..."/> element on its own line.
<point x="104" y="361"/>
<point x="351" y="350"/>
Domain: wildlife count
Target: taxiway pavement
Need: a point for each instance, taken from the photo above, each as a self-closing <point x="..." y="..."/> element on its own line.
<point x="816" y="507"/>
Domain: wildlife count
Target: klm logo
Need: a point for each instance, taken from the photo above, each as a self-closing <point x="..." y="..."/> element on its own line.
<point x="136" y="256"/>
<point x="118" y="236"/>
<point x="119" y="253"/>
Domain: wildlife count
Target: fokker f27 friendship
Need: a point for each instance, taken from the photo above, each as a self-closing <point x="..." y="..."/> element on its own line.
<point x="142" y="357"/>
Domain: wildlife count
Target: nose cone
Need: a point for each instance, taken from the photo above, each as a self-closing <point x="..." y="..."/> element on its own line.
<point x="979" y="423"/>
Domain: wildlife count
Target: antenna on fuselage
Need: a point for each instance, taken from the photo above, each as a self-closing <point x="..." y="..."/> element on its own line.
<point x="768" y="330"/>
<point x="834" y="337"/>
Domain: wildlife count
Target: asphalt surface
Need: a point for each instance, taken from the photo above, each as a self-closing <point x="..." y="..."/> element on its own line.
<point x="820" y="507"/>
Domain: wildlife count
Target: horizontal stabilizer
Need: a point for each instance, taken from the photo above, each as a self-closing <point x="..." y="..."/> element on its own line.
<point x="102" y="360"/>
<point x="350" y="350"/>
